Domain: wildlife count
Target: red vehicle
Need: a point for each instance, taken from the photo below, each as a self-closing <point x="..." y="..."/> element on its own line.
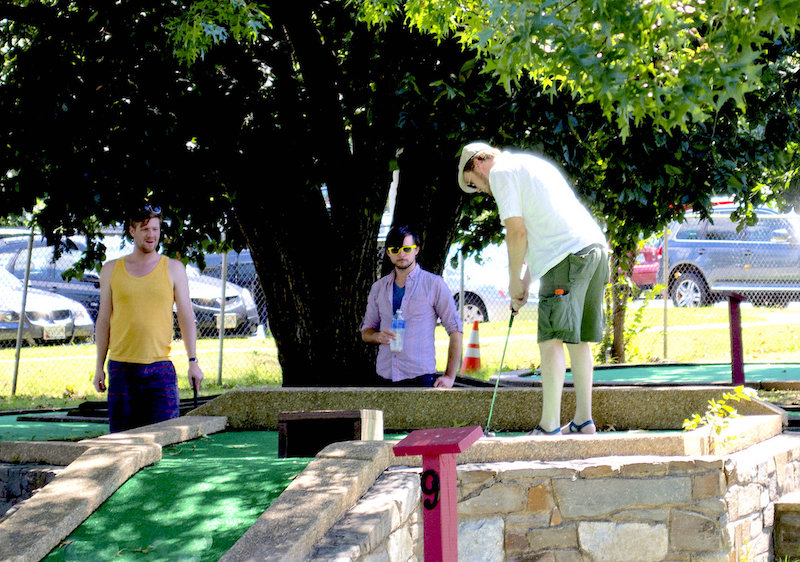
<point x="645" y="270"/>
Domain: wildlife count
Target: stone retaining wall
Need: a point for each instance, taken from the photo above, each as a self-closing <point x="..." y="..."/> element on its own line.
<point x="19" y="481"/>
<point x="614" y="509"/>
<point x="787" y="527"/>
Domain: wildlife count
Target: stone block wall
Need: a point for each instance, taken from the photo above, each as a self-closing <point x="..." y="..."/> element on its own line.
<point x="760" y="479"/>
<point x="638" y="509"/>
<point x="386" y="523"/>
<point x="644" y="508"/>
<point x="787" y="527"/>
<point x="19" y="481"/>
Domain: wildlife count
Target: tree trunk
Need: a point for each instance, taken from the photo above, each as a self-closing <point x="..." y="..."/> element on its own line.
<point x="316" y="285"/>
<point x="620" y="292"/>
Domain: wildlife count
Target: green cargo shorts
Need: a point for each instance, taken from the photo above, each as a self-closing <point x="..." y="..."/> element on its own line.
<point x="571" y="297"/>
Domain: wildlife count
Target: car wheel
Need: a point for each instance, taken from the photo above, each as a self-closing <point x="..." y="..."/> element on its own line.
<point x="689" y="290"/>
<point x="474" y="308"/>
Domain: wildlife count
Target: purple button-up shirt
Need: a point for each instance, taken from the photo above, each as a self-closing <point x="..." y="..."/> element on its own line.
<point x="426" y="299"/>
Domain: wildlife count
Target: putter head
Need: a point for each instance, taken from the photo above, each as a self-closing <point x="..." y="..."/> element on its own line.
<point x="489" y="434"/>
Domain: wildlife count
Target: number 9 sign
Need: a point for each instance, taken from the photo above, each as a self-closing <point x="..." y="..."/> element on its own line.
<point x="430" y="487"/>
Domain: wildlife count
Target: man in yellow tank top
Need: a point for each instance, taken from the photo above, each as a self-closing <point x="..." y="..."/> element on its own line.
<point x="134" y="329"/>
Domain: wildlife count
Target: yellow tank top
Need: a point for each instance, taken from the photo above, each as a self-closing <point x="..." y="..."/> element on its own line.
<point x="141" y="314"/>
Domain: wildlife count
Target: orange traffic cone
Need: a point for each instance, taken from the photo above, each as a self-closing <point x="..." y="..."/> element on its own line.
<point x="472" y="358"/>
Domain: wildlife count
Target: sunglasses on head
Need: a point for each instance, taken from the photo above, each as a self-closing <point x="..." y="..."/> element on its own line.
<point x="394" y="250"/>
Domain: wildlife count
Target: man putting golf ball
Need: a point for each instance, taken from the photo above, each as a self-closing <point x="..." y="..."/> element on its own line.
<point x="551" y="231"/>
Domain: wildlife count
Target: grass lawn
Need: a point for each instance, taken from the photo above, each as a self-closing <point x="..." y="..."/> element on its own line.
<point x="57" y="376"/>
<point x="52" y="377"/>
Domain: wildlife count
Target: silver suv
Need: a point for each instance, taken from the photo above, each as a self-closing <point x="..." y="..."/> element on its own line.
<point x="708" y="259"/>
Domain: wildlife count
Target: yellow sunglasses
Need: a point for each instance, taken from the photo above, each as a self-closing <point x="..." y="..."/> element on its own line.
<point x="394" y="250"/>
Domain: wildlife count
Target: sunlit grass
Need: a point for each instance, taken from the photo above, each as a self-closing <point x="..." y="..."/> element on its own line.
<point x="694" y="335"/>
<point x="56" y="376"/>
<point x="62" y="376"/>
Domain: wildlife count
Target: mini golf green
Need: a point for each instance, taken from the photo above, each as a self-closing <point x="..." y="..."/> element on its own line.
<point x="204" y="494"/>
<point x="12" y="429"/>
<point x="192" y="505"/>
<point x="694" y="373"/>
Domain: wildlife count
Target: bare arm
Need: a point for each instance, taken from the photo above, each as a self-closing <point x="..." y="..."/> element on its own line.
<point x="186" y="320"/>
<point x="517" y="244"/>
<point x="102" y="326"/>
<point x="453" y="357"/>
<point x="368" y="335"/>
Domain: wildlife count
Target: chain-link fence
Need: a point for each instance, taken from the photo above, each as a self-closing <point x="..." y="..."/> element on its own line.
<point x="706" y="262"/>
<point x="56" y="355"/>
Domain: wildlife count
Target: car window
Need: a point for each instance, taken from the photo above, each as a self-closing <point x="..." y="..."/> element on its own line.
<point x="769" y="229"/>
<point x="41" y="264"/>
<point x="689" y="230"/>
<point x="5" y="259"/>
<point x="66" y="261"/>
<point x="722" y="229"/>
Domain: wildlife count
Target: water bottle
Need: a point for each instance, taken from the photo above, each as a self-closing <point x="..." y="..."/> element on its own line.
<point x="399" y="329"/>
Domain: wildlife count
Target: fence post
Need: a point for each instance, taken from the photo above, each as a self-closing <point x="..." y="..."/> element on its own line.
<point x="665" y="258"/>
<point x="22" y="314"/>
<point x="737" y="350"/>
<point x="461" y="285"/>
<point x="224" y="280"/>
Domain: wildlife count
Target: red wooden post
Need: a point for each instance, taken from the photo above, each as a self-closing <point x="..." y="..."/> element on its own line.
<point x="439" y="448"/>
<point x="737" y="349"/>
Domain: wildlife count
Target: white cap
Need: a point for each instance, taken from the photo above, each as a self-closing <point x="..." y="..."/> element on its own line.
<point x="467" y="153"/>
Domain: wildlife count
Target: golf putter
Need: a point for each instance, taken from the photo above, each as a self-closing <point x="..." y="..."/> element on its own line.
<point x="194" y="388"/>
<point x="488" y="433"/>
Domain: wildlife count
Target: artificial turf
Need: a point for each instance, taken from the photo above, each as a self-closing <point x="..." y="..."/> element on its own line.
<point x="12" y="429"/>
<point x="696" y="373"/>
<point x="192" y="505"/>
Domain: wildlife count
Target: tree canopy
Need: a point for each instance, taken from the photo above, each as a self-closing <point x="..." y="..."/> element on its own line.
<point x="234" y="115"/>
<point x="663" y="62"/>
<point x="655" y="61"/>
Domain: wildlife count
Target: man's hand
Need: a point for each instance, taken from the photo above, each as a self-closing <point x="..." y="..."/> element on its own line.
<point x="373" y="336"/>
<point x="100" y="380"/>
<point x="445" y="381"/>
<point x="195" y="375"/>
<point x="519" y="294"/>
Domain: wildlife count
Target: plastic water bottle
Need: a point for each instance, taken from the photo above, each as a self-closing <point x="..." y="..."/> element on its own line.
<point x="399" y="329"/>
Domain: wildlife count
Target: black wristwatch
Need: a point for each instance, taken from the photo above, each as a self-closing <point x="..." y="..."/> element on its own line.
<point x="192" y="359"/>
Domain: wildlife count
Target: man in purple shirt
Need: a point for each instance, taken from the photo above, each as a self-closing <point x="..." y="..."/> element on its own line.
<point x="423" y="298"/>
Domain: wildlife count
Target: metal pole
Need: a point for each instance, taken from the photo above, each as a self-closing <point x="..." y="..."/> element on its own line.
<point x="222" y="312"/>
<point x="22" y="315"/>
<point x="665" y="292"/>
<point x="461" y="285"/>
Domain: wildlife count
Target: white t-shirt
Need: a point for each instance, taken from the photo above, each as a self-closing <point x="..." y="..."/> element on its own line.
<point x="557" y="224"/>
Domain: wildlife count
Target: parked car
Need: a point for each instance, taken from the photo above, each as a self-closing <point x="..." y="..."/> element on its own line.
<point x="241" y="316"/>
<point x="486" y="295"/>
<point x="48" y="318"/>
<point x="709" y="258"/>
<point x="241" y="271"/>
<point x="645" y="270"/>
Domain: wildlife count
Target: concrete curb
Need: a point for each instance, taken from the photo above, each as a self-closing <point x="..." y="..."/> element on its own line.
<point x="95" y="469"/>
<point x="320" y="496"/>
<point x="516" y="409"/>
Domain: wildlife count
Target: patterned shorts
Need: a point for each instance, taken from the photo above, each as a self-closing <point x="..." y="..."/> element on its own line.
<point x="141" y="394"/>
